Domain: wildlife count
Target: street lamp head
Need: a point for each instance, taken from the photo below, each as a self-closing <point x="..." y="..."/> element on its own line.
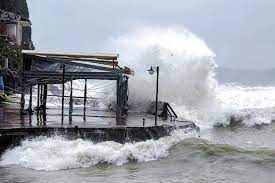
<point x="151" y="71"/>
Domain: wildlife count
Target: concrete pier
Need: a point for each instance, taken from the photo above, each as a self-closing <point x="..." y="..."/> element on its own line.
<point x="97" y="126"/>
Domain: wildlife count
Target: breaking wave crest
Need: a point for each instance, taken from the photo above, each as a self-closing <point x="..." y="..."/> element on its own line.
<point x="249" y="105"/>
<point x="56" y="153"/>
<point x="187" y="78"/>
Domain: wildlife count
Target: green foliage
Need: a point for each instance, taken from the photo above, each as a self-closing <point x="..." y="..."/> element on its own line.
<point x="12" y="52"/>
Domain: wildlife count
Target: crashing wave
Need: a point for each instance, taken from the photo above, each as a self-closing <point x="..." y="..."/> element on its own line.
<point x="56" y="153"/>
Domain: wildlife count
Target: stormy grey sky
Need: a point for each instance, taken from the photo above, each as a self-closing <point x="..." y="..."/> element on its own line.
<point x="240" y="32"/>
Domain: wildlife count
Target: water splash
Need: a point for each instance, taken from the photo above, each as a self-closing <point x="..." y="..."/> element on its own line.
<point x="186" y="69"/>
<point x="187" y="79"/>
<point x="56" y="153"/>
<point x="250" y="105"/>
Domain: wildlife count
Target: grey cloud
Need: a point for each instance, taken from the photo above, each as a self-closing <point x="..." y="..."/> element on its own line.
<point x="240" y="32"/>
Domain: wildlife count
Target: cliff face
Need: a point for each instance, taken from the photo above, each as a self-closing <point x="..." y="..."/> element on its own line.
<point x="19" y="7"/>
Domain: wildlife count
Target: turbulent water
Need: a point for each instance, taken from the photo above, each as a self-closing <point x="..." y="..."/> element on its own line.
<point x="243" y="152"/>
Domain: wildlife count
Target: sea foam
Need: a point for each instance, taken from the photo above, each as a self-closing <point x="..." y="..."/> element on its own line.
<point x="56" y="153"/>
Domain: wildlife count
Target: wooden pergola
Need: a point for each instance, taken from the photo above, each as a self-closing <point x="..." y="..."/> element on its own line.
<point x="43" y="68"/>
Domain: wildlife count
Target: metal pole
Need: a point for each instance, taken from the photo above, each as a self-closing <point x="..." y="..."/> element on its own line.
<point x="38" y="96"/>
<point x="22" y="107"/>
<point x="63" y="92"/>
<point x="85" y="96"/>
<point x="71" y="100"/>
<point x="30" y="101"/>
<point x="45" y="94"/>
<point x="22" y="99"/>
<point x="41" y="96"/>
<point x="117" y="97"/>
<point x="157" y="93"/>
<point x="118" y="93"/>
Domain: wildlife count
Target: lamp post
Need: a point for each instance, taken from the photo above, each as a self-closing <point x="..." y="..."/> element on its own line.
<point x="151" y="72"/>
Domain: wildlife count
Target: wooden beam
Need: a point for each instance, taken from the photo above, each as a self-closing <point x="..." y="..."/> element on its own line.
<point x="30" y="75"/>
<point x="90" y="60"/>
<point x="75" y="63"/>
<point x="106" y="56"/>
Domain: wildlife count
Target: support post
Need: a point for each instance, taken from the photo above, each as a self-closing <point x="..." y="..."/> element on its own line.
<point x="38" y="97"/>
<point x="85" y="96"/>
<point x="45" y="96"/>
<point x="125" y="96"/>
<point x="118" y="109"/>
<point x="22" y="103"/>
<point x="41" y="97"/>
<point x="22" y="107"/>
<point x="157" y="93"/>
<point x="120" y="116"/>
<point x="63" y="92"/>
<point x="71" y="100"/>
<point x="30" y="101"/>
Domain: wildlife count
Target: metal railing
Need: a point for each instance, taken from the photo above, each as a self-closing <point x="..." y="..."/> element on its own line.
<point x="170" y="111"/>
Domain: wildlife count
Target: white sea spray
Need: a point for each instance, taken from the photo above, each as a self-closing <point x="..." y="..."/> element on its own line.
<point x="56" y="153"/>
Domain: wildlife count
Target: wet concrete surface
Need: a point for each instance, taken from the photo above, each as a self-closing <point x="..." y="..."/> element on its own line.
<point x="97" y="125"/>
<point x="94" y="118"/>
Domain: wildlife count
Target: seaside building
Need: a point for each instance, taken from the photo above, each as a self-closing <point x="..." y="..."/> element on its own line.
<point x="17" y="29"/>
<point x="15" y="35"/>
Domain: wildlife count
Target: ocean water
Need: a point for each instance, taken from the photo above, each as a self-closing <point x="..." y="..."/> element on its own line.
<point x="220" y="152"/>
<point x="240" y="154"/>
